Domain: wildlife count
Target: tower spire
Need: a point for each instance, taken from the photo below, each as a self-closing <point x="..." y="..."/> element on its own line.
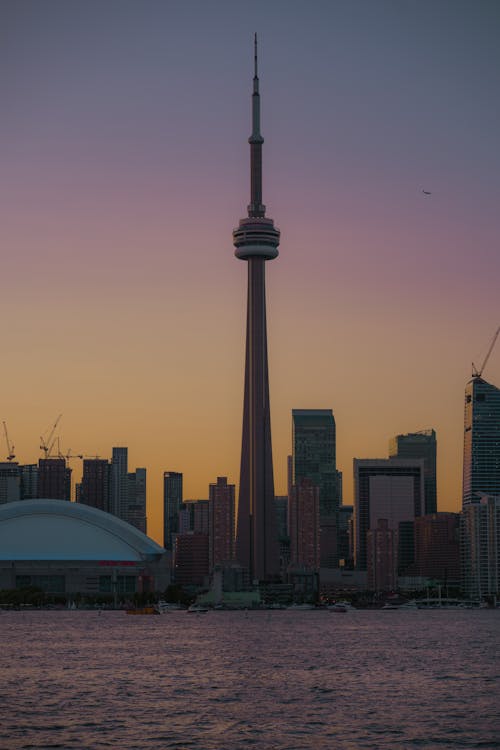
<point x="255" y="208"/>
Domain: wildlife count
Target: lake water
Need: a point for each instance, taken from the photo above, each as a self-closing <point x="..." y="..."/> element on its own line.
<point x="268" y="681"/>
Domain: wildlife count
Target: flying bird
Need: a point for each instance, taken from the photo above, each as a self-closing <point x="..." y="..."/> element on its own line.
<point x="426" y="192"/>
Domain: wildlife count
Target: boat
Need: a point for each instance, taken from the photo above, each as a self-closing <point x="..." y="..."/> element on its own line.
<point x="341" y="606"/>
<point x="164" y="607"/>
<point x="300" y="607"/>
<point x="149" y="610"/>
<point x="199" y="608"/>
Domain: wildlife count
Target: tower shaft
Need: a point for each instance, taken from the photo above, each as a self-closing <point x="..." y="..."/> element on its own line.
<point x="257" y="547"/>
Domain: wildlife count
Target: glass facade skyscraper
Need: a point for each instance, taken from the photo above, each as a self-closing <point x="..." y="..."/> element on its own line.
<point x="314" y="454"/>
<point x="481" y="471"/>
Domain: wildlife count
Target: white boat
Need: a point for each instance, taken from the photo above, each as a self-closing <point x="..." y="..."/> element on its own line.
<point x="300" y="607"/>
<point x="164" y="607"/>
<point x="199" y="608"/>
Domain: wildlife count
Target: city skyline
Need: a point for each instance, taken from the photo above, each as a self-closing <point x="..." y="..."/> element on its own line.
<point x="124" y="169"/>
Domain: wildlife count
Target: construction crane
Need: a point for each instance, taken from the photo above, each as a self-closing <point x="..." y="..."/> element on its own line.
<point x="477" y="373"/>
<point x="46" y="445"/>
<point x="10" y="448"/>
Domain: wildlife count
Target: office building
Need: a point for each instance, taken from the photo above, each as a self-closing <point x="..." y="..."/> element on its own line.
<point x="437" y="547"/>
<point x="420" y="445"/>
<point x="304" y="525"/>
<point x="172" y="501"/>
<point x="390" y="489"/>
<point x="54" y="479"/>
<point x="222" y="523"/>
<point x="481" y="468"/>
<point x="314" y="458"/>
<point x="480" y="547"/>
<point x="256" y="241"/>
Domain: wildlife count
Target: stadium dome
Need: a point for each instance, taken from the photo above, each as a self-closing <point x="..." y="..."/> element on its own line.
<point x="58" y="530"/>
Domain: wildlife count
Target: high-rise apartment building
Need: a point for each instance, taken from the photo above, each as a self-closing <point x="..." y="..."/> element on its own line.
<point x="191" y="559"/>
<point x="10" y="482"/>
<point x="29" y="481"/>
<point x="390" y="489"/>
<point x="382" y="557"/>
<point x="94" y="489"/>
<point x="222" y="522"/>
<point x="420" y="445"/>
<point x="127" y="490"/>
<point x="54" y="479"/>
<point x="481" y="468"/>
<point x="314" y="458"/>
<point x="136" y="501"/>
<point x="304" y="525"/>
<point x="480" y="547"/>
<point x="256" y="241"/>
<point x="172" y="501"/>
<point x="119" y="481"/>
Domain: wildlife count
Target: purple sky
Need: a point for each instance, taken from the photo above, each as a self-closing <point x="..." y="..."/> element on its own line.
<point x="125" y="168"/>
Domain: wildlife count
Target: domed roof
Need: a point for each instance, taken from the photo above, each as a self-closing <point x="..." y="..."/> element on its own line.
<point x="59" y="530"/>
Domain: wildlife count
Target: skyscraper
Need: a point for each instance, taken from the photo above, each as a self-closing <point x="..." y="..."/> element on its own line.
<point x="480" y="547"/>
<point x="54" y="479"/>
<point x="119" y="481"/>
<point x="136" y="501"/>
<point x="221" y="515"/>
<point x="303" y="522"/>
<point x="314" y="457"/>
<point x="256" y="241"/>
<point x="420" y="445"/>
<point x="481" y="474"/>
<point x="95" y="485"/>
<point x="390" y="489"/>
<point x="172" y="501"/>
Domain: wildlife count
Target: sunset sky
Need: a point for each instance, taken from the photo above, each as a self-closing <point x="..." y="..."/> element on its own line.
<point x="125" y="167"/>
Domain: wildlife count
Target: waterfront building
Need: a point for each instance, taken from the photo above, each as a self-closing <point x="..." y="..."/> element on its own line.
<point x="420" y="445"/>
<point x="191" y="559"/>
<point x="480" y="547"/>
<point x="382" y="557"/>
<point x="314" y="457"/>
<point x="221" y="522"/>
<point x="256" y="241"/>
<point x="172" y="501"/>
<point x="10" y="482"/>
<point x="72" y="549"/>
<point x="303" y="515"/>
<point x="54" y="479"/>
<point x="481" y="467"/>
<point x="391" y="489"/>
<point x="94" y="489"/>
<point x="437" y="547"/>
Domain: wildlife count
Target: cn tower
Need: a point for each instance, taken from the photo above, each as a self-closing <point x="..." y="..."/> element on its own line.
<point x="256" y="241"/>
